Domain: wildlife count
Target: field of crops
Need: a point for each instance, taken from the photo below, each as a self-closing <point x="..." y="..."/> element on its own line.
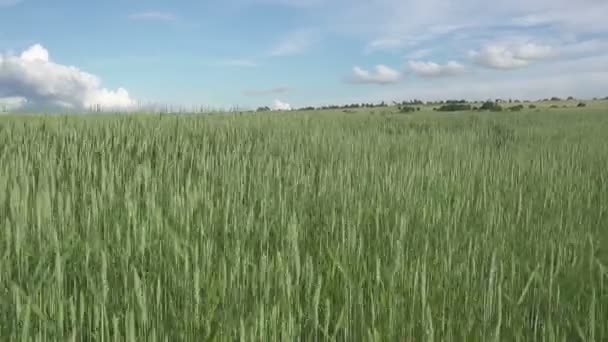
<point x="305" y="226"/>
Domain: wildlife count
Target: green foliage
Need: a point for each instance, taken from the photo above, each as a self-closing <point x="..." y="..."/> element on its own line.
<point x="532" y="106"/>
<point x="517" y="108"/>
<point x="454" y="107"/>
<point x="304" y="227"/>
<point x="491" y="106"/>
<point x="581" y="105"/>
<point x="407" y="109"/>
<point x="263" y="109"/>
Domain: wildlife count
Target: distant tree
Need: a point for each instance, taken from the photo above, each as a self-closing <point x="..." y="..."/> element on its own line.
<point x="491" y="106"/>
<point x="570" y="98"/>
<point x="406" y="109"/>
<point x="263" y="109"/>
<point x="306" y="108"/>
<point x="555" y="99"/>
<point x="554" y="106"/>
<point x="581" y="104"/>
<point x="517" y="108"/>
<point x="532" y="106"/>
<point x="454" y="107"/>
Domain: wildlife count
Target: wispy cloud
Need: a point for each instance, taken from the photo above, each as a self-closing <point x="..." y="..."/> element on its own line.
<point x="383" y="44"/>
<point x="296" y="42"/>
<point x="419" y="54"/>
<point x="154" y="15"/>
<point x="431" y="69"/>
<point x="275" y="90"/>
<point x="381" y="74"/>
<point x="8" y="3"/>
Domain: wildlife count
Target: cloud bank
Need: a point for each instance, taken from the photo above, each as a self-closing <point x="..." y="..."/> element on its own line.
<point x="40" y="82"/>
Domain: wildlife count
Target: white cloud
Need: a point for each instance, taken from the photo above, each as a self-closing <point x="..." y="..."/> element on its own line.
<point x="154" y="15"/>
<point x="295" y="42"/>
<point x="10" y="103"/>
<point x="431" y="69"/>
<point x="41" y="82"/>
<point x="579" y="16"/>
<point x="582" y="78"/>
<point x="382" y="74"/>
<point x="279" y="105"/>
<point x="509" y="56"/>
<point x="275" y="90"/>
<point x="531" y="51"/>
<point x="497" y="57"/>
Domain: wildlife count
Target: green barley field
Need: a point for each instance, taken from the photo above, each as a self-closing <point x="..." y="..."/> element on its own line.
<point x="305" y="226"/>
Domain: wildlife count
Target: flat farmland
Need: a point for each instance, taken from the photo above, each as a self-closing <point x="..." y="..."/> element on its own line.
<point x="318" y="225"/>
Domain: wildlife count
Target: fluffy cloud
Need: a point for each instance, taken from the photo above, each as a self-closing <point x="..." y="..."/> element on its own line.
<point x="381" y="75"/>
<point x="279" y="105"/>
<point x="431" y="69"/>
<point x="501" y="56"/>
<point x="41" y="82"/>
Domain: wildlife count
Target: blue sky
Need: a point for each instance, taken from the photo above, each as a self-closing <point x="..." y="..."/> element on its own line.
<point x="250" y="53"/>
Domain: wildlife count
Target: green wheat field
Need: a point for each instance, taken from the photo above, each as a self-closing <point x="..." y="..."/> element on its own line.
<point x="305" y="226"/>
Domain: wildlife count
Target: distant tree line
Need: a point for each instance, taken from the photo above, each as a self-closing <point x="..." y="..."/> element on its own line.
<point x="407" y="106"/>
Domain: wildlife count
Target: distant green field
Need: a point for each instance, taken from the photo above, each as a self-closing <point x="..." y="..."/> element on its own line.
<point x="306" y="226"/>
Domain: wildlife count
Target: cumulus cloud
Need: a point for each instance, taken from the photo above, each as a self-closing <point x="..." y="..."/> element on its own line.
<point x="431" y="69"/>
<point x="275" y="90"/>
<point x="502" y="56"/>
<point x="280" y="105"/>
<point x="382" y="74"/>
<point x="41" y="82"/>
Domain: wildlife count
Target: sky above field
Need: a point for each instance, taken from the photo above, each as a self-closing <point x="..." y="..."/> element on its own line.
<point x="294" y="53"/>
